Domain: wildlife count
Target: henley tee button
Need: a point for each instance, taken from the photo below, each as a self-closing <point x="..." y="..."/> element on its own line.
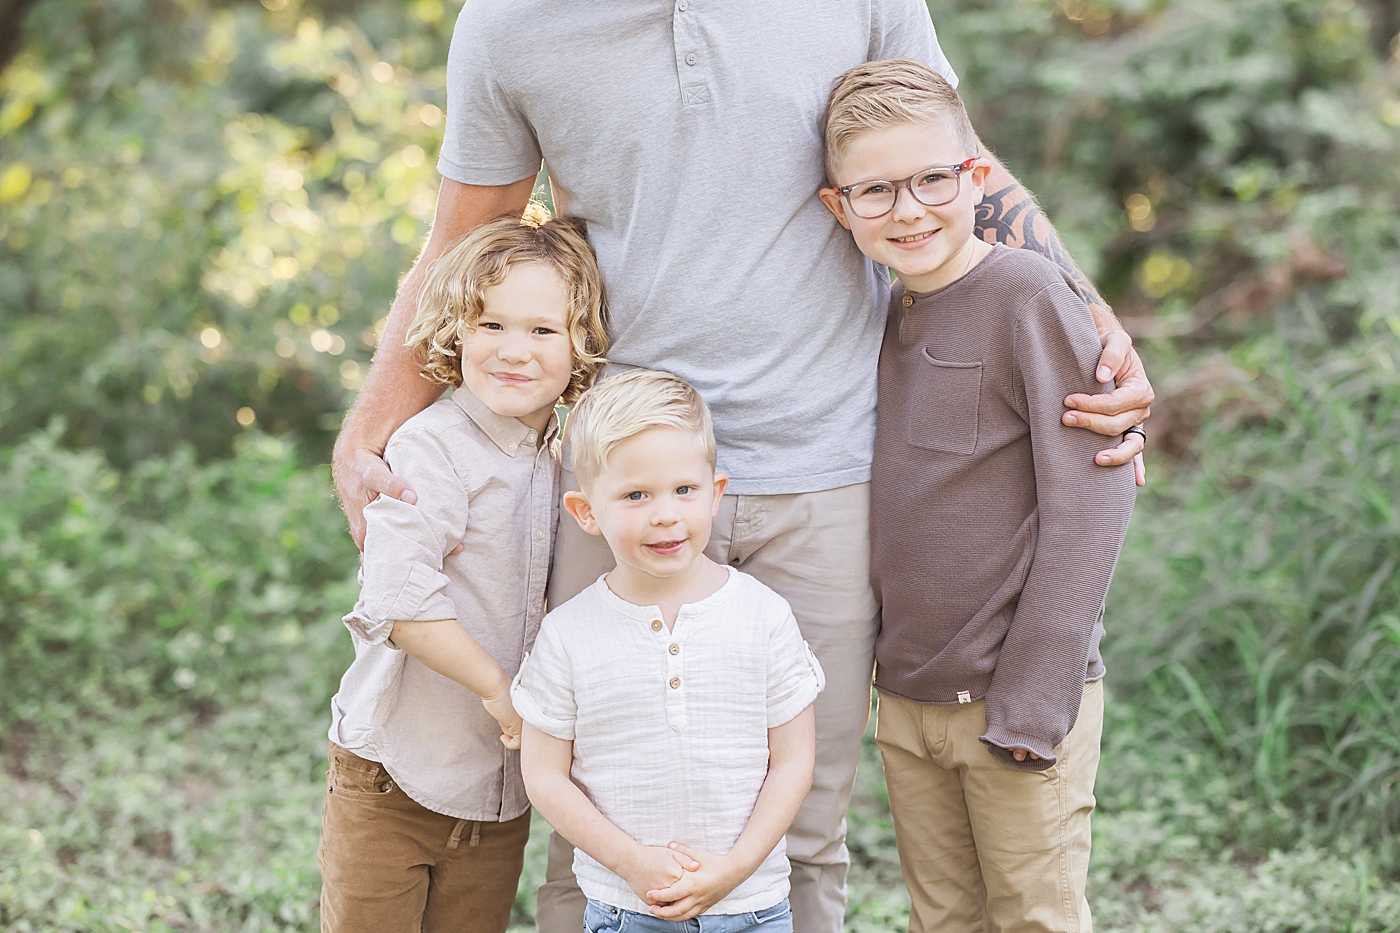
<point x="683" y="5"/>
<point x="692" y="58"/>
<point x="675" y="683"/>
<point x="908" y="301"/>
<point x="674" y="649"/>
<point x="656" y="625"/>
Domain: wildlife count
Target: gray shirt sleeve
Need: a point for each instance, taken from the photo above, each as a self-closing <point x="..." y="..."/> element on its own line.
<point x="487" y="140"/>
<point x="903" y="29"/>
<point x="1083" y="511"/>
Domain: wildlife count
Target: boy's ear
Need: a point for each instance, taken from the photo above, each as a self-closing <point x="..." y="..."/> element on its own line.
<point x="576" y="504"/>
<point x="721" y="484"/>
<point x="833" y="203"/>
<point x="980" y="171"/>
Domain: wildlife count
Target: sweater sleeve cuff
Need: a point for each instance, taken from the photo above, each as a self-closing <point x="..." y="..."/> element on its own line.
<point x="1000" y="743"/>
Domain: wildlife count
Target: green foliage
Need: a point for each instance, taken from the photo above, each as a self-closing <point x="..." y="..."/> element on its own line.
<point x="1257" y="610"/>
<point x="168" y="583"/>
<point x="205" y="208"/>
<point x="207" y="216"/>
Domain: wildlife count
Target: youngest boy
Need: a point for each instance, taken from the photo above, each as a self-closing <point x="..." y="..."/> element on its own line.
<point x="668" y="733"/>
<point x="993" y="533"/>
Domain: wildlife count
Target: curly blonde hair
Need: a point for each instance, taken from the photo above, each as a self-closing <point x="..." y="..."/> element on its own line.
<point x="454" y="294"/>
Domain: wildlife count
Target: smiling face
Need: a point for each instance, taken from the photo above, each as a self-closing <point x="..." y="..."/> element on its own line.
<point x="927" y="247"/>
<point x="519" y="357"/>
<point x="653" y="502"/>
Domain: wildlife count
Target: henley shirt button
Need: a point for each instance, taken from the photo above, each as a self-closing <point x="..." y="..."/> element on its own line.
<point x="675" y="683"/>
<point x="692" y="58"/>
<point x="674" y="649"/>
<point x="683" y="5"/>
<point x="908" y="301"/>
<point x="656" y="625"/>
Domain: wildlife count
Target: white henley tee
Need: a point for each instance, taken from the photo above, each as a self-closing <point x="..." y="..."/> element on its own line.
<point x="670" y="728"/>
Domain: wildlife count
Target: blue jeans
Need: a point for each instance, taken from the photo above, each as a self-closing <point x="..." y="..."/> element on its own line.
<point x="602" y="918"/>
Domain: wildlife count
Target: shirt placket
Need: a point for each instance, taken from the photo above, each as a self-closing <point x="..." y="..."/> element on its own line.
<point x="692" y="63"/>
<point x="673" y="651"/>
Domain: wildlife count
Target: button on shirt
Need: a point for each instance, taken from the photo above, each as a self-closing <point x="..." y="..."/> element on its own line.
<point x="481" y="479"/>
<point x="687" y="135"/>
<point x="670" y="728"/>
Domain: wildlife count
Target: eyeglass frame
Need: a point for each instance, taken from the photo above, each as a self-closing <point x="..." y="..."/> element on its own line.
<point x="908" y="183"/>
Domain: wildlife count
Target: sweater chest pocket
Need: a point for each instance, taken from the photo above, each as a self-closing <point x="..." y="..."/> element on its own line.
<point x="943" y="404"/>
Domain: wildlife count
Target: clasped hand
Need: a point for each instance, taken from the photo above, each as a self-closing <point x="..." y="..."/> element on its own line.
<point x="696" y="881"/>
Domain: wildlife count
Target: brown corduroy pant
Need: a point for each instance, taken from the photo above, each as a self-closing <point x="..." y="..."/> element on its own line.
<point x="391" y="865"/>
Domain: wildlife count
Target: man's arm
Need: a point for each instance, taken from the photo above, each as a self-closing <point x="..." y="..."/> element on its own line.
<point x="792" y="749"/>
<point x="394" y="391"/>
<point x="1008" y="214"/>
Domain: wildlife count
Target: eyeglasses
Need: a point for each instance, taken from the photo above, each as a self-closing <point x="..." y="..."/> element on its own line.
<point x="931" y="187"/>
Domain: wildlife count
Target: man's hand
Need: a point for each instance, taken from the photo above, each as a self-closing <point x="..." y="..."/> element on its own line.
<point x="697" y="889"/>
<point x="1020" y="754"/>
<point x="653" y="868"/>
<point x="1126" y="406"/>
<point x="503" y="711"/>
<point x="361" y="475"/>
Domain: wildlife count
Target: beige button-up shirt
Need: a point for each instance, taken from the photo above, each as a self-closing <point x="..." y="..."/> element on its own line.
<point x="488" y="481"/>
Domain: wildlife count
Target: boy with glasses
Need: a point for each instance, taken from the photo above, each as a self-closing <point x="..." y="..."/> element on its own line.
<point x="993" y="534"/>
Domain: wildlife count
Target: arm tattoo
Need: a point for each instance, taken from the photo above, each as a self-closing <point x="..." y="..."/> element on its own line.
<point x="1011" y="216"/>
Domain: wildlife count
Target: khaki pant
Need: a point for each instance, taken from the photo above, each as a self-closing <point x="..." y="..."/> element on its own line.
<point x="814" y="550"/>
<point x="986" y="848"/>
<point x="390" y="865"/>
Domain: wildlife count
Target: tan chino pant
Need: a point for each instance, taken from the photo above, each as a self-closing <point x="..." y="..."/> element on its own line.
<point x="986" y="848"/>
<point x="814" y="550"/>
<point x="390" y="865"/>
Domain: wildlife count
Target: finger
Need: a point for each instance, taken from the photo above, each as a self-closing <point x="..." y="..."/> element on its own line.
<point x="1107" y="425"/>
<point x="1128" y="448"/>
<point x="1116" y="347"/>
<point x="683" y="857"/>
<point x="1139" y="470"/>
<point x="1131" y="395"/>
<point x="679" y="910"/>
<point x="457" y="549"/>
<point x="379" y="479"/>
<point x="1019" y="754"/>
<point x="511" y="742"/>
<point x="669" y="894"/>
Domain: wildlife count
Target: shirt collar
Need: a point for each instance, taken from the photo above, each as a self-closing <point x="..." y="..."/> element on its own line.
<point x="509" y="434"/>
<point x="647" y="613"/>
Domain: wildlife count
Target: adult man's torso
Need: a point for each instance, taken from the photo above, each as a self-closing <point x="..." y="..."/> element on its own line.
<point x="687" y="134"/>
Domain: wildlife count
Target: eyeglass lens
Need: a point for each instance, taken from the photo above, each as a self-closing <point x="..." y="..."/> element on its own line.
<point x="877" y="198"/>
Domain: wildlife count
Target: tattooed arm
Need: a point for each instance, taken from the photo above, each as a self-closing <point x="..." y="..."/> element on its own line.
<point x="1008" y="214"/>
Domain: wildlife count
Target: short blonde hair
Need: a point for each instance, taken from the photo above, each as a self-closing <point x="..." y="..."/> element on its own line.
<point x="454" y="294"/>
<point x="624" y="406"/>
<point x="878" y="95"/>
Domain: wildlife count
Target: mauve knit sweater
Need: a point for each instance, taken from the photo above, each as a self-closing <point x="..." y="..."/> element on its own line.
<point x="994" y="534"/>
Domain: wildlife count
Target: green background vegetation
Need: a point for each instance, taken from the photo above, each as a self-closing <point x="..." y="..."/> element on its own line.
<point x="205" y="206"/>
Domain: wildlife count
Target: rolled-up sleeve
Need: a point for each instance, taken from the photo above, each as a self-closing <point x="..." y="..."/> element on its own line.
<point x="405" y="544"/>
<point x="795" y="675"/>
<point x="543" y="690"/>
